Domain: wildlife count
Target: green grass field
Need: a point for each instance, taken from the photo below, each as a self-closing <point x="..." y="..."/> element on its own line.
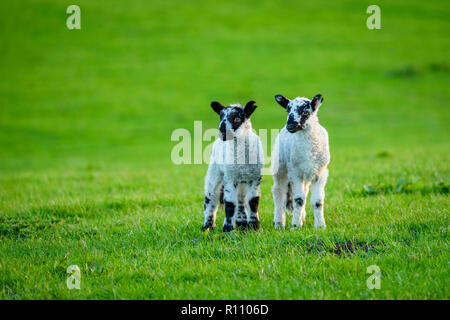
<point x="86" y="176"/>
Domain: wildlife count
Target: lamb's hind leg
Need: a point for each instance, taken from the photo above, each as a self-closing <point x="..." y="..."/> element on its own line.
<point x="241" y="214"/>
<point x="253" y="196"/>
<point x="318" y="197"/>
<point x="213" y="184"/>
<point x="289" y="199"/>
<point x="303" y="209"/>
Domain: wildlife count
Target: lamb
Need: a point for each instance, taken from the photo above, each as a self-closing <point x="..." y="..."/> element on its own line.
<point x="300" y="159"/>
<point x="235" y="169"/>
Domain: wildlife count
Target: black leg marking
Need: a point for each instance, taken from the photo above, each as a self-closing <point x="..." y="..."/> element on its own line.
<point x="208" y="224"/>
<point x="206" y="202"/>
<point x="241" y="219"/>
<point x="254" y="204"/>
<point x="254" y="220"/>
<point x="299" y="201"/>
<point x="229" y="213"/>
<point x="318" y="204"/>
<point x="229" y="209"/>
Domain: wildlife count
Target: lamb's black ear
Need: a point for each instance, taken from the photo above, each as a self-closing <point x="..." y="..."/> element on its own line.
<point x="316" y="101"/>
<point x="283" y="101"/>
<point x="250" y="108"/>
<point x="217" y="106"/>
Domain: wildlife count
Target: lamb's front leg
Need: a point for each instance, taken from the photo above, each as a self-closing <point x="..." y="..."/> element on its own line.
<point x="213" y="184"/>
<point x="279" y="191"/>
<point x="318" y="197"/>
<point x="230" y="199"/>
<point x="299" y="202"/>
<point x="253" y="197"/>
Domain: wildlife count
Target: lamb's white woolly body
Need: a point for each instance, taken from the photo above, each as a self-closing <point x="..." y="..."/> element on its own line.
<point x="304" y="153"/>
<point x="300" y="160"/>
<point x="235" y="166"/>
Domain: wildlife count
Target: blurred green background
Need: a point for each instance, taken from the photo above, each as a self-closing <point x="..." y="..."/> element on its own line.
<point x="86" y="118"/>
<point x="112" y="92"/>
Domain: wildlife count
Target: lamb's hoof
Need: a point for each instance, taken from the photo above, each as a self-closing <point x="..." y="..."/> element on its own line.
<point x="296" y="226"/>
<point x="278" y="225"/>
<point x="227" y="227"/>
<point x="254" y="225"/>
<point x="206" y="227"/>
<point x="241" y="225"/>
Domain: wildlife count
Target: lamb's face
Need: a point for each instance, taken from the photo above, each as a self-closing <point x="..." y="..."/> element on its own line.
<point x="232" y="118"/>
<point x="299" y="111"/>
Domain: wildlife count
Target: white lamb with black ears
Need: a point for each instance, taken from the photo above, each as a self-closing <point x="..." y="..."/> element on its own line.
<point x="235" y="167"/>
<point x="300" y="160"/>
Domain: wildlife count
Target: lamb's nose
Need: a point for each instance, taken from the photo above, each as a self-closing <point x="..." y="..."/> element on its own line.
<point x="291" y="127"/>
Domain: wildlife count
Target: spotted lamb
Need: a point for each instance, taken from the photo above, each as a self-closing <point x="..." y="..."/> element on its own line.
<point x="235" y="169"/>
<point x="300" y="160"/>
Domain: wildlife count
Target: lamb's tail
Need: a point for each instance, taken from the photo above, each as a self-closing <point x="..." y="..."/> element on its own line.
<point x="289" y="199"/>
<point x="221" y="195"/>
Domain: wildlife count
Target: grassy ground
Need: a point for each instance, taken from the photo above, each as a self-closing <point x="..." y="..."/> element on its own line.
<point x="85" y="171"/>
